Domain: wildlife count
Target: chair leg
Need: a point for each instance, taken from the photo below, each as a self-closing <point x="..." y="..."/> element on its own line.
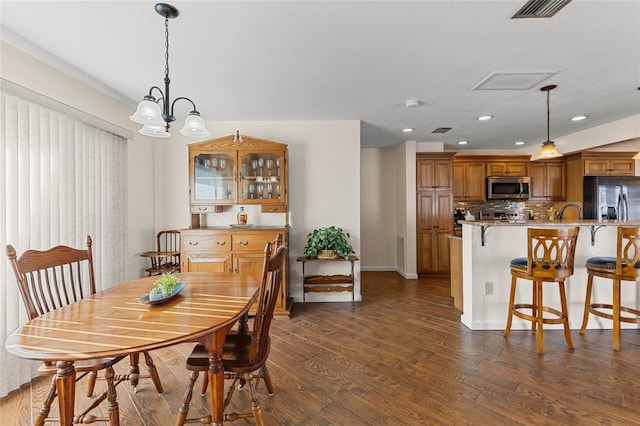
<point x="512" y="296"/>
<point x="91" y="383"/>
<point x="46" y="405"/>
<point x="534" y="303"/>
<point x="616" y="315"/>
<point x="134" y="370"/>
<point x="539" y="315"/>
<point x="264" y="373"/>
<point x="153" y="372"/>
<point x="255" y="401"/>
<point x="205" y="384"/>
<point x="565" y="314"/>
<point x="587" y="304"/>
<point x="186" y="400"/>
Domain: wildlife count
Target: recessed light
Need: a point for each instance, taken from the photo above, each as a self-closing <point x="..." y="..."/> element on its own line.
<point x="463" y="142"/>
<point x="408" y="130"/>
<point x="578" y="118"/>
<point x="485" y="117"/>
<point x="519" y="143"/>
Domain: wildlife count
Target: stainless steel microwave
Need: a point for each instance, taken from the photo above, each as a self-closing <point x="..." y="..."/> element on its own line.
<point x="507" y="188"/>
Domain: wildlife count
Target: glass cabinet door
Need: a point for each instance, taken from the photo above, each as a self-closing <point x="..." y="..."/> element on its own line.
<point x="262" y="177"/>
<point x="214" y="178"/>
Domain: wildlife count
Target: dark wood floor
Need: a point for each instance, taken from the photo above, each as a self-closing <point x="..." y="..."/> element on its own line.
<point x="402" y="357"/>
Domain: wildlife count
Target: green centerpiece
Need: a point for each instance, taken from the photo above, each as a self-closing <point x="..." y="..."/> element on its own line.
<point x="163" y="286"/>
<point x="328" y="243"/>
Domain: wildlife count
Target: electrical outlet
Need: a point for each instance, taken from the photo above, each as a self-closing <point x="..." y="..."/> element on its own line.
<point x="488" y="287"/>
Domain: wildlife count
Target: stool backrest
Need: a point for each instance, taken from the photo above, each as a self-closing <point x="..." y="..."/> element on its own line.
<point x="628" y="252"/>
<point x="551" y="252"/>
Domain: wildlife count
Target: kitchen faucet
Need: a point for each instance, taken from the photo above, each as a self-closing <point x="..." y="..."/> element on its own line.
<point x="561" y="213"/>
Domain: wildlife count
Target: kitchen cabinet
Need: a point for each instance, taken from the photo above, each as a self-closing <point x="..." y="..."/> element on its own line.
<point x="434" y="184"/>
<point x="469" y="183"/>
<point x="506" y="168"/>
<point x="607" y="165"/>
<point x="434" y="172"/>
<point x="435" y="224"/>
<point x="232" y="250"/>
<point x="223" y="172"/>
<point x="548" y="180"/>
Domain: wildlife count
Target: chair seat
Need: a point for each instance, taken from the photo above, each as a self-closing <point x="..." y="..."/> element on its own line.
<point x="235" y="355"/>
<point x="605" y="262"/>
<point x="81" y="366"/>
<point x="521" y="263"/>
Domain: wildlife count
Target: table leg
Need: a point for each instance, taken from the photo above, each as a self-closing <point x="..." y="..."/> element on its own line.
<point x="214" y="343"/>
<point x="66" y="388"/>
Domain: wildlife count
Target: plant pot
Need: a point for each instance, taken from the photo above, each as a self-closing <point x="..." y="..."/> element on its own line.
<point x="327" y="254"/>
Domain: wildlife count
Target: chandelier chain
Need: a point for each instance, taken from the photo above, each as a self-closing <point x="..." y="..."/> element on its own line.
<point x="166" y="46"/>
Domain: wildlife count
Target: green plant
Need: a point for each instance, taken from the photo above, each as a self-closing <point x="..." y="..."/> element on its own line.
<point x="331" y="238"/>
<point x="165" y="285"/>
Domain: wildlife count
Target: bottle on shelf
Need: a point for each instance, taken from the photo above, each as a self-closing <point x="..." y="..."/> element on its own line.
<point x="242" y="217"/>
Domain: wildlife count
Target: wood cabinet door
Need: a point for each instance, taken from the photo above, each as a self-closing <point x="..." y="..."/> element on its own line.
<point x="459" y="181"/>
<point x="596" y="167"/>
<point x="556" y="176"/>
<point x="538" y="182"/>
<point x="435" y="221"/>
<point x="622" y="167"/>
<point x="434" y="175"/>
<point x="206" y="262"/>
<point x="443" y="175"/>
<point x="506" y="168"/>
<point x="475" y="182"/>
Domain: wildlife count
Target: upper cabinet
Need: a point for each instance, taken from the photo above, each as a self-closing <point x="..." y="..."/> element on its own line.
<point x="434" y="172"/>
<point x="608" y="163"/>
<point x="507" y="168"/>
<point x="548" y="180"/>
<point x="223" y="172"/>
<point x="469" y="181"/>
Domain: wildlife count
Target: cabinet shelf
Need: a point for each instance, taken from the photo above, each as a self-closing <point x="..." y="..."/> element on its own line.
<point x="328" y="283"/>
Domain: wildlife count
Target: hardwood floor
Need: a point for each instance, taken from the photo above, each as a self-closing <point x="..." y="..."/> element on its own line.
<point x="402" y="357"/>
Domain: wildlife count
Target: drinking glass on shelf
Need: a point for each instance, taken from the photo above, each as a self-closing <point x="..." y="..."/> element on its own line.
<point x="278" y="165"/>
<point x="214" y="162"/>
<point x="252" y="189"/>
<point x="229" y="190"/>
<point x="269" y="166"/>
<point x="254" y="166"/>
<point x="278" y="190"/>
<point x="260" y="164"/>
<point x="223" y="163"/>
<point x="260" y="190"/>
<point x="269" y="188"/>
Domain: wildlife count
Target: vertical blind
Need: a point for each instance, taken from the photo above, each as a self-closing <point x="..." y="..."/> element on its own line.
<point x="61" y="179"/>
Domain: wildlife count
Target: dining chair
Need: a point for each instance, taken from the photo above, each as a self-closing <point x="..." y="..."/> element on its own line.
<point x="550" y="258"/>
<point x="161" y="262"/>
<point x="624" y="267"/>
<point x="49" y="280"/>
<point x="245" y="353"/>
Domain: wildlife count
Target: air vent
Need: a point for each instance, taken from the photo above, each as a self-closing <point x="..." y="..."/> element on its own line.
<point x="441" y="130"/>
<point x="512" y="80"/>
<point x="540" y="8"/>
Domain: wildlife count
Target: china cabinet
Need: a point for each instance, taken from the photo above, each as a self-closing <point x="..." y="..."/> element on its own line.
<point x="223" y="172"/>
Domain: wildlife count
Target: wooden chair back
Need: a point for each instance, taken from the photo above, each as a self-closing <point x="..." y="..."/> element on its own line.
<point x="550" y="253"/>
<point x="274" y="259"/>
<point x="628" y="253"/>
<point x="53" y="278"/>
<point x="169" y="241"/>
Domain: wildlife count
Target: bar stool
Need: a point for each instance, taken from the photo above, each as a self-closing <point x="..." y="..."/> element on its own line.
<point x="550" y="254"/>
<point x="624" y="267"/>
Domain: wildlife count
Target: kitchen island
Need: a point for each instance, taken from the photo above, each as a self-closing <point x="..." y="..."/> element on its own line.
<point x="487" y="249"/>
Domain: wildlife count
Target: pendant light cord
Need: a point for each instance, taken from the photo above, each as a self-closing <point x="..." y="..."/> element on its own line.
<point x="166" y="47"/>
<point x="548" y="126"/>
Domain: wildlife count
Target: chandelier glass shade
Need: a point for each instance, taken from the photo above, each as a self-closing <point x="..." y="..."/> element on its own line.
<point x="156" y="120"/>
<point x="549" y="149"/>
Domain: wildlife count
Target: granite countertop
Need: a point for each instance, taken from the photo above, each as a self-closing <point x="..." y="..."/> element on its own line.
<point x="568" y="222"/>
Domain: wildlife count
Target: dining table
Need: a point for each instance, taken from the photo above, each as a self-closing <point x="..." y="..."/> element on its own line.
<point x="121" y="320"/>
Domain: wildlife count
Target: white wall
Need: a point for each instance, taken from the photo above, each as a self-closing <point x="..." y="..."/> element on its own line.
<point x="378" y="189"/>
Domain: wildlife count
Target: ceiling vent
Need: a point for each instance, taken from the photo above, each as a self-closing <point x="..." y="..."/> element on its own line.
<point x="512" y="80"/>
<point x="540" y="8"/>
<point x="441" y="130"/>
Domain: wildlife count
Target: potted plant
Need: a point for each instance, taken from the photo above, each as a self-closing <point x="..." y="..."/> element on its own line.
<point x="328" y="243"/>
<point x="163" y="287"/>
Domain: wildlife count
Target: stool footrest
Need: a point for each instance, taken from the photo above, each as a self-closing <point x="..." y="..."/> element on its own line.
<point x="559" y="320"/>
<point x="595" y="309"/>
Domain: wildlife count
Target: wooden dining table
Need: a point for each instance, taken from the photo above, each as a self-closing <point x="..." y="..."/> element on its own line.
<point x="114" y="323"/>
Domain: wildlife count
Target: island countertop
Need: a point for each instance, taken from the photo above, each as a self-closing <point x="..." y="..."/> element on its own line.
<point x="569" y="222"/>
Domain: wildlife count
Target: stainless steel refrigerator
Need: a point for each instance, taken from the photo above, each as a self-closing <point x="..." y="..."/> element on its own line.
<point x="608" y="197"/>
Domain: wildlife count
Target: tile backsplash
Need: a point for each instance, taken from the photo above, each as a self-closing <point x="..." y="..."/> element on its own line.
<point x="520" y="208"/>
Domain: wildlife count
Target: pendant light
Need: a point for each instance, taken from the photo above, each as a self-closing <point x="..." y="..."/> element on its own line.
<point x="156" y="121"/>
<point x="549" y="149"/>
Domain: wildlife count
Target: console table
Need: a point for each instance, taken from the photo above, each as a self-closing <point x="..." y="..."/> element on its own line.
<point x="327" y="283"/>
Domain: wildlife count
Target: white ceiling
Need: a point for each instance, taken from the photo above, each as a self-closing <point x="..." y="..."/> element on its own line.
<point x="354" y="60"/>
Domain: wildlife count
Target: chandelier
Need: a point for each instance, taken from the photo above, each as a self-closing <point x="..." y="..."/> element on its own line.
<point x="549" y="149"/>
<point x="156" y="121"/>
